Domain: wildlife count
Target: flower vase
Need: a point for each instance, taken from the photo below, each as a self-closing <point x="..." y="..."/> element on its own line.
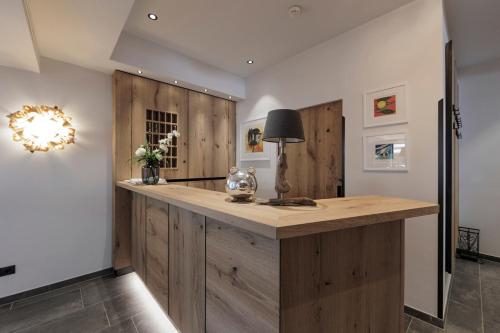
<point x="150" y="175"/>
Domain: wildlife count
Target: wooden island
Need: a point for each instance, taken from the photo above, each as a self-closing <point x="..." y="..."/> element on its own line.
<point x="217" y="266"/>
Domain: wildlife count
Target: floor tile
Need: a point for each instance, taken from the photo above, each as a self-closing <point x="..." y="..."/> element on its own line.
<point x="5" y="307"/>
<point x="467" y="267"/>
<point x="419" y="326"/>
<point x="463" y="318"/>
<point x="44" y="296"/>
<point x="466" y="289"/>
<point x="91" y="319"/>
<point x="491" y="326"/>
<point x="127" y="326"/>
<point x="40" y="312"/>
<point x="125" y="306"/>
<point x="407" y="320"/>
<point x="490" y="270"/>
<point x="490" y="291"/>
<point x="153" y="322"/>
<point x="104" y="289"/>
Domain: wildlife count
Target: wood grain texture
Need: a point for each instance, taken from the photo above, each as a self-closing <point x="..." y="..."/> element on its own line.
<point x="315" y="166"/>
<point x="285" y="222"/>
<point x="157" y="222"/>
<point x="212" y="137"/>
<point x="187" y="270"/>
<point x="344" y="281"/>
<point x="242" y="277"/>
<point x="138" y="246"/>
<point x="122" y="88"/>
<point x="122" y="220"/>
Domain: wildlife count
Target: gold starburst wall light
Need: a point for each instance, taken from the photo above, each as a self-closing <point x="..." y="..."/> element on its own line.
<point x="41" y="127"/>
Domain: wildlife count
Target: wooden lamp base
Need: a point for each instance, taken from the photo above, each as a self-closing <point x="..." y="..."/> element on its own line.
<point x="302" y="201"/>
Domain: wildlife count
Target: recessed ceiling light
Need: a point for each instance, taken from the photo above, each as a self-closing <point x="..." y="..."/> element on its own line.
<point x="249" y="61"/>
<point x="175" y="81"/>
<point x="230" y="97"/>
<point x="139" y="71"/>
<point x="205" y="90"/>
<point x="152" y="17"/>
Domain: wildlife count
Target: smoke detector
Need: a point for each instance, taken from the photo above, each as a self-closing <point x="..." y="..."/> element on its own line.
<point x="294" y="11"/>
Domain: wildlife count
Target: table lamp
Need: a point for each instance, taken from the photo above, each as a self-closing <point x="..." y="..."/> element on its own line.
<point x="284" y="126"/>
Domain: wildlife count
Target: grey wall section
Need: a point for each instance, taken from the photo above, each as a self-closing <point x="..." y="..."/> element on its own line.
<point x="55" y="207"/>
<point x="405" y="45"/>
<point x="479" y="158"/>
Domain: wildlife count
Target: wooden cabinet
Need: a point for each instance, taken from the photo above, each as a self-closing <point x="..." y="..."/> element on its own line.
<point x="138" y="235"/>
<point x="157" y="240"/>
<point x="242" y="272"/>
<point x="187" y="270"/>
<point x="212" y="139"/>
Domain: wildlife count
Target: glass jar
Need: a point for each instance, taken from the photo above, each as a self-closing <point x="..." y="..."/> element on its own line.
<point x="150" y="175"/>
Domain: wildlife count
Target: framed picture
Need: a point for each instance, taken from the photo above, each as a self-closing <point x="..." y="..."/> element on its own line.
<point x="386" y="106"/>
<point x="252" y="147"/>
<point x="386" y="152"/>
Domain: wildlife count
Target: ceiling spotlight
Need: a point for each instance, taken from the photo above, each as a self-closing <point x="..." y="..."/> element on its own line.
<point x="139" y="71"/>
<point x="152" y="17"/>
<point x="205" y="90"/>
<point x="249" y="61"/>
<point x="175" y="81"/>
<point x="230" y="97"/>
<point x="294" y="11"/>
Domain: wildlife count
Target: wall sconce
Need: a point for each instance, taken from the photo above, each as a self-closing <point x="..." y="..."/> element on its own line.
<point x="41" y="127"/>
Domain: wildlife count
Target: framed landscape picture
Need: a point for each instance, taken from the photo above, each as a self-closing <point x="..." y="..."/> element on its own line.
<point x="386" y="152"/>
<point x="387" y="106"/>
<point x="252" y="147"/>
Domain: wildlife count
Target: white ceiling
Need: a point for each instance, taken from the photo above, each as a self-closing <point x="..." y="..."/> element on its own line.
<point x="17" y="48"/>
<point x="474" y="27"/>
<point x="225" y="33"/>
<point x="79" y="32"/>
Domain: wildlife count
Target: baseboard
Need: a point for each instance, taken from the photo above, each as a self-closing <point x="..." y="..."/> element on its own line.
<point x="57" y="285"/>
<point x="123" y="271"/>
<point x="488" y="257"/>
<point x="424" y="317"/>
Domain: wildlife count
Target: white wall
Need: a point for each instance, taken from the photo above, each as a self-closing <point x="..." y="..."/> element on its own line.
<point x="479" y="154"/>
<point x="404" y="45"/>
<point x="55" y="220"/>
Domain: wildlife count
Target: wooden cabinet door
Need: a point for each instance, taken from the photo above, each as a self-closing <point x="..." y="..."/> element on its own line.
<point x="138" y="235"/>
<point x="242" y="281"/>
<point x="315" y="167"/>
<point x="157" y="250"/>
<point x="187" y="270"/>
<point x="212" y="132"/>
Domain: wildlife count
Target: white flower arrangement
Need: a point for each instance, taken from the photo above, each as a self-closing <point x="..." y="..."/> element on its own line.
<point x="152" y="157"/>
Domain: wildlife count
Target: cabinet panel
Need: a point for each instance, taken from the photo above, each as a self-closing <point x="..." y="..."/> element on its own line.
<point x="242" y="281"/>
<point x="157" y="250"/>
<point x="187" y="270"/>
<point x="138" y="234"/>
<point x="344" y="281"/>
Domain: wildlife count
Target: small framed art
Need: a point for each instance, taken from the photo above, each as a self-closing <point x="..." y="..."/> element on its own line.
<point x="386" y="106"/>
<point x="252" y="147"/>
<point x="386" y="152"/>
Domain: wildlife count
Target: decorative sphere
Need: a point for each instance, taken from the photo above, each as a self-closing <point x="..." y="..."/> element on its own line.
<point x="241" y="185"/>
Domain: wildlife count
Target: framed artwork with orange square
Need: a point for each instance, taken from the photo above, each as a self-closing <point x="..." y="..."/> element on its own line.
<point x="253" y="147"/>
<point x="386" y="106"/>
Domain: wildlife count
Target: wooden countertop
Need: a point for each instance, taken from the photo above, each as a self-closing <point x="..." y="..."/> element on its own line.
<point x="286" y="222"/>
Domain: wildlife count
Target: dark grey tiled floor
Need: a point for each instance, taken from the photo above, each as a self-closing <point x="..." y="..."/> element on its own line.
<point x="103" y="305"/>
<point x="474" y="302"/>
<point x="121" y="305"/>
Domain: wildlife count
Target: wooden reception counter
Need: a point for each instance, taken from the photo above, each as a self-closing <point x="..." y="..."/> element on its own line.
<point x="217" y="266"/>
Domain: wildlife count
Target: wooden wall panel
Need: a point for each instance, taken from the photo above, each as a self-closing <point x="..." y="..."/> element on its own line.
<point x="212" y="136"/>
<point x="154" y="95"/>
<point x="358" y="273"/>
<point x="242" y="277"/>
<point x="122" y="99"/>
<point x="138" y="232"/>
<point x="157" y="250"/>
<point x="187" y="270"/>
<point x="315" y="166"/>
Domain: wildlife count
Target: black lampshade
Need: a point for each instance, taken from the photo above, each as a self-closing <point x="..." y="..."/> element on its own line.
<point x="284" y="123"/>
